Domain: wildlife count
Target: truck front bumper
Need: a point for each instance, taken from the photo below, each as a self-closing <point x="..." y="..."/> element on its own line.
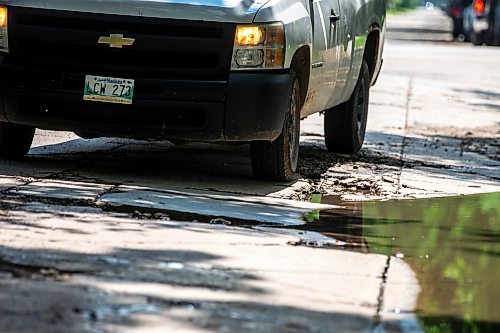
<point x="246" y="107"/>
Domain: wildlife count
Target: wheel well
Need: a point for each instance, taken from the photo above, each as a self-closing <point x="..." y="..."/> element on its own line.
<point x="301" y="65"/>
<point x="371" y="51"/>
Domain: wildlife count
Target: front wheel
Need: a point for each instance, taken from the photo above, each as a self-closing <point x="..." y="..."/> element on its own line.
<point x="458" y="28"/>
<point x="345" y="124"/>
<point x="467" y="36"/>
<point x="278" y="159"/>
<point x="15" y="140"/>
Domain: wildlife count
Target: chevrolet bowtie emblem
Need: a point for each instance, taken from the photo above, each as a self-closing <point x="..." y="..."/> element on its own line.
<point x="116" y="41"/>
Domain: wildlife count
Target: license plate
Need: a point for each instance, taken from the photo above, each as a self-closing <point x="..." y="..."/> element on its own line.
<point x="108" y="89"/>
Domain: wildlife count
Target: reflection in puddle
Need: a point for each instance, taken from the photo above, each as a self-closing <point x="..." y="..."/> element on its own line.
<point x="452" y="244"/>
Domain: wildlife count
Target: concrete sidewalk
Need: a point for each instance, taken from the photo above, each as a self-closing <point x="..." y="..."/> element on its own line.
<point x="75" y="256"/>
<point x="79" y="269"/>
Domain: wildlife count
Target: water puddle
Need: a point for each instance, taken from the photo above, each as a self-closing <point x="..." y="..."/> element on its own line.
<point x="452" y="244"/>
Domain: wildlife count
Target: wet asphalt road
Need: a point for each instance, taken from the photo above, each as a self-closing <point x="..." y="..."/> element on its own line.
<point x="90" y="241"/>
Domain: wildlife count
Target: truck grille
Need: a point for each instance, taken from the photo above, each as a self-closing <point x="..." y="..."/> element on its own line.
<point x="163" y="48"/>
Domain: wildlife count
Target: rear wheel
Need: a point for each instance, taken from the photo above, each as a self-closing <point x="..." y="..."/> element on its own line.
<point x="496" y="32"/>
<point x="15" y="140"/>
<point x="345" y="124"/>
<point x="489" y="37"/>
<point x="278" y="159"/>
<point x="477" y="39"/>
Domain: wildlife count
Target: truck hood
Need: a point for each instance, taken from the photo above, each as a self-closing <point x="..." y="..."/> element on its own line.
<point x="238" y="11"/>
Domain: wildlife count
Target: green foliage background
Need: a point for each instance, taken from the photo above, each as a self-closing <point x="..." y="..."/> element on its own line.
<point x="396" y="6"/>
<point x="403" y="3"/>
<point x="453" y="246"/>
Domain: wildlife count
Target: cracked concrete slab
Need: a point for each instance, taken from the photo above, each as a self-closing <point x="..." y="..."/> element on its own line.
<point x="7" y="182"/>
<point x="216" y="204"/>
<point x="142" y="275"/>
<point x="58" y="189"/>
<point x="439" y="182"/>
<point x="250" y="208"/>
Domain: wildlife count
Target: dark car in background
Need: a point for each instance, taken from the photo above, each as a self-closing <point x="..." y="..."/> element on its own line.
<point x="497" y="24"/>
<point x="481" y="22"/>
<point x="455" y="9"/>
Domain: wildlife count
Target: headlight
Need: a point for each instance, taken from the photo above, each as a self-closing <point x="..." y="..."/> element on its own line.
<point x="4" y="38"/>
<point x="260" y="46"/>
<point x="250" y="36"/>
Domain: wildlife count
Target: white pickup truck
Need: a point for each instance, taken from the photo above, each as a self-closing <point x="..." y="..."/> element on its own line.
<point x="215" y="71"/>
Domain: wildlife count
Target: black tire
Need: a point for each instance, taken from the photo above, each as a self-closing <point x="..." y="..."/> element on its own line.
<point x="496" y="38"/>
<point x="458" y="28"/>
<point x="277" y="160"/>
<point x="345" y="124"/>
<point x="467" y="36"/>
<point x="477" y="39"/>
<point x="15" y="140"/>
<point x="489" y="37"/>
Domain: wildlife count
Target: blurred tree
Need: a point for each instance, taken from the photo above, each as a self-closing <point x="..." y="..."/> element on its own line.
<point x="402" y="4"/>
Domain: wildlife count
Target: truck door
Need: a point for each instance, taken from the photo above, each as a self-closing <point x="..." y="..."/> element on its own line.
<point x="325" y="17"/>
<point x="347" y="73"/>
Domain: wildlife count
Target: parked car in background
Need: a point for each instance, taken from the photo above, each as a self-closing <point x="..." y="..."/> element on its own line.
<point x="481" y="22"/>
<point x="455" y="9"/>
<point x="496" y="29"/>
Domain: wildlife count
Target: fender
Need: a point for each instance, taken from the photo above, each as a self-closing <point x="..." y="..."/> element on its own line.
<point x="297" y="20"/>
